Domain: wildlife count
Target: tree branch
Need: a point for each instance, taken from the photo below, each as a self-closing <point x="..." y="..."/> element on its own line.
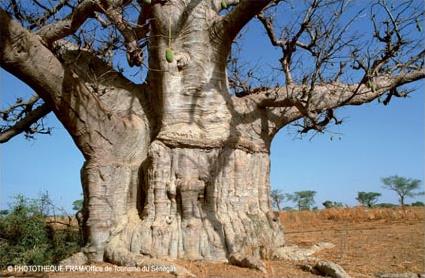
<point x="20" y="103"/>
<point x="23" y="55"/>
<point x="48" y="13"/>
<point x="69" y="25"/>
<point x="231" y="24"/>
<point x="83" y="103"/>
<point x="88" y="9"/>
<point x="290" y="103"/>
<point x="25" y="123"/>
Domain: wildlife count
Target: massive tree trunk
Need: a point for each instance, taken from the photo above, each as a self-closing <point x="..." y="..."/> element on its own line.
<point x="176" y="167"/>
<point x="204" y="187"/>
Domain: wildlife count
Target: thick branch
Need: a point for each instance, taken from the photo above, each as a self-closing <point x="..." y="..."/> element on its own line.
<point x="69" y="25"/>
<point x="288" y="104"/>
<point x="23" y="55"/>
<point x="78" y="91"/>
<point x="87" y="9"/>
<point x="231" y="24"/>
<point x="25" y="123"/>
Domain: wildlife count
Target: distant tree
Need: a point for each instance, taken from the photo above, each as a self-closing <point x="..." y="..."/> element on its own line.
<point x="77" y="205"/>
<point x="4" y="212"/>
<point x="367" y="198"/>
<point x="330" y="204"/>
<point x="303" y="199"/>
<point x="418" y="204"/>
<point x="404" y="187"/>
<point x="288" y="209"/>
<point x="277" y="197"/>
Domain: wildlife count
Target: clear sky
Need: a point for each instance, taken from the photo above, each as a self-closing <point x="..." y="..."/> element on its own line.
<point x="375" y="141"/>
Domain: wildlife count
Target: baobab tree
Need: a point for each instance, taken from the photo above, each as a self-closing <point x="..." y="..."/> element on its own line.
<point x="177" y="166"/>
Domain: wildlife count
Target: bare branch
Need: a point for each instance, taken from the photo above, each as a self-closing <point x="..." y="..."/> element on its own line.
<point x="64" y="84"/>
<point x="134" y="52"/>
<point x="89" y="9"/>
<point x="49" y="13"/>
<point x="325" y="98"/>
<point x="268" y="25"/>
<point x="58" y="30"/>
<point x="24" y="125"/>
<point x="20" y="103"/>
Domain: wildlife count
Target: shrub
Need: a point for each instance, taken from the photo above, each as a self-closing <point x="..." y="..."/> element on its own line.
<point x="418" y="204"/>
<point x="329" y="204"/>
<point x="386" y="205"/>
<point x="27" y="239"/>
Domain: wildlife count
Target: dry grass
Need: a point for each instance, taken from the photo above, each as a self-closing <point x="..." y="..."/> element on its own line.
<point x="297" y="219"/>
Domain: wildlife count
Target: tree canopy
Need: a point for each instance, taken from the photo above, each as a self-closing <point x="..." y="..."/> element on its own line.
<point x="368" y="199"/>
<point x="404" y="187"/>
<point x="303" y="199"/>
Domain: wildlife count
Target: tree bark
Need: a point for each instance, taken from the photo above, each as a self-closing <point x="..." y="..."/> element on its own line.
<point x="205" y="192"/>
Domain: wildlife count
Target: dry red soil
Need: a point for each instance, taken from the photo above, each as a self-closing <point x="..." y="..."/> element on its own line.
<point x="367" y="242"/>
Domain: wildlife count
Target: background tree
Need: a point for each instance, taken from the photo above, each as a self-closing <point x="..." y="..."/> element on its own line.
<point x="404" y="187"/>
<point x="77" y="205"/>
<point x="330" y="204"/>
<point x="177" y="165"/>
<point x="277" y="198"/>
<point x="368" y="199"/>
<point x="303" y="199"/>
<point x="386" y="205"/>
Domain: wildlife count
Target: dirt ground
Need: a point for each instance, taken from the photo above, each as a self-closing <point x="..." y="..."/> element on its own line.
<point x="367" y="242"/>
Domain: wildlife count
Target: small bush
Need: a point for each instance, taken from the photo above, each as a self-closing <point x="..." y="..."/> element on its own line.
<point x="386" y="205"/>
<point x="27" y="239"/>
<point x="418" y="204"/>
<point x="329" y="204"/>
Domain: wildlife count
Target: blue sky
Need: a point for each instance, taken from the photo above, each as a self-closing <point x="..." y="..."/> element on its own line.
<point x="375" y="141"/>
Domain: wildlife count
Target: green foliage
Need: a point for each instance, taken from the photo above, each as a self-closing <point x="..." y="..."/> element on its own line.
<point x="404" y="187"/>
<point x="418" y="204"/>
<point x="367" y="199"/>
<point x="224" y="4"/>
<point x="303" y="199"/>
<point x="288" y="209"/>
<point x="26" y="238"/>
<point x="277" y="198"/>
<point x="329" y="204"/>
<point x="77" y="205"/>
